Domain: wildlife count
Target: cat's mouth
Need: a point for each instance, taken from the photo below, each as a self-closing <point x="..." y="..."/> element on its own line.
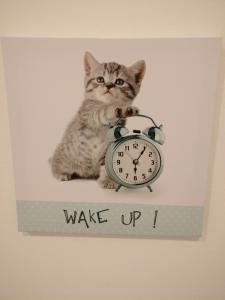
<point x="108" y="92"/>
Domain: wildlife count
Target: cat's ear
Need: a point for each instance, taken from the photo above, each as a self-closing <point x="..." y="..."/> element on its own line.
<point x="138" y="69"/>
<point x="90" y="63"/>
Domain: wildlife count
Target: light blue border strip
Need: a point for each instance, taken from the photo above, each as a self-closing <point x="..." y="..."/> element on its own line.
<point x="110" y="218"/>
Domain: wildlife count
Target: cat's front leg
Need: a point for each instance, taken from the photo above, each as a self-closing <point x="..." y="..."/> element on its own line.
<point x="104" y="180"/>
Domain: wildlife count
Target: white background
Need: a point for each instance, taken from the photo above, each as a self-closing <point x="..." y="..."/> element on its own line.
<point x="44" y="79"/>
<point x="57" y="267"/>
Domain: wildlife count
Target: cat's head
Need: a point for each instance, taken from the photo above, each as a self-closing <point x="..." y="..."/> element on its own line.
<point x="111" y="81"/>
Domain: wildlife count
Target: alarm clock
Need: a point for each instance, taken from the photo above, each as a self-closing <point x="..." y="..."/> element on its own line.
<point x="134" y="159"/>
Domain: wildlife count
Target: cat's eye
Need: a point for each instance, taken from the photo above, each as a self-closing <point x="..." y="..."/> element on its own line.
<point x="119" y="81"/>
<point x="100" y="79"/>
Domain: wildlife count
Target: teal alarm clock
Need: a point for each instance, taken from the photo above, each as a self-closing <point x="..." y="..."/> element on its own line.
<point x="134" y="159"/>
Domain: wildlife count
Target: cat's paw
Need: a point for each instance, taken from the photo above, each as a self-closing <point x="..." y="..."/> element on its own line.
<point x="126" y="112"/>
<point x="107" y="183"/>
<point x="63" y="177"/>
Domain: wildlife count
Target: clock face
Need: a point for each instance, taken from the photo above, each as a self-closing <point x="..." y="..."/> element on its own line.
<point x="136" y="161"/>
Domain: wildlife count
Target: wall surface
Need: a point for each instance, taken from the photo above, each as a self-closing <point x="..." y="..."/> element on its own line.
<point x="63" y="267"/>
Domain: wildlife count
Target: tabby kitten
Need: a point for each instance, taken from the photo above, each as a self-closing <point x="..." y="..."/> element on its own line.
<point x="110" y="89"/>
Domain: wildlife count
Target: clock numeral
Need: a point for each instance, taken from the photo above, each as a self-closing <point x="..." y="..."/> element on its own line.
<point x="153" y="162"/>
<point x="150" y="154"/>
<point x="120" y="170"/>
<point x="127" y="175"/>
<point x="135" y="178"/>
<point x="143" y="176"/>
<point x="135" y="146"/>
<point x="120" y="154"/>
<point x="118" y="162"/>
<point x="150" y="170"/>
<point x="127" y="148"/>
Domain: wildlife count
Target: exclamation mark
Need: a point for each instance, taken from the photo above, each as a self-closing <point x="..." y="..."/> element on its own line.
<point x="156" y="214"/>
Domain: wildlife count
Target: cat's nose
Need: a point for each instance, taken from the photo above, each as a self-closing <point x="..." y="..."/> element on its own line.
<point x="109" y="85"/>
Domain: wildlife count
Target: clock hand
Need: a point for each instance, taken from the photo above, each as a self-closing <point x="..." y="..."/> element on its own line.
<point x="141" y="153"/>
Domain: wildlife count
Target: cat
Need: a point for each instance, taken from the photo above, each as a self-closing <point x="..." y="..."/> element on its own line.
<point x="110" y="89"/>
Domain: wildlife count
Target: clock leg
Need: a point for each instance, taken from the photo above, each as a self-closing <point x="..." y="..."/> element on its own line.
<point x="149" y="187"/>
<point x="118" y="187"/>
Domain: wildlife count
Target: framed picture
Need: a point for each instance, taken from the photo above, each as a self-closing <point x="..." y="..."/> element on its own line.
<point x="111" y="136"/>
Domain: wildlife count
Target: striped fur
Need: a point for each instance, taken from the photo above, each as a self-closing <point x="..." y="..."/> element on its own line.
<point x="82" y="148"/>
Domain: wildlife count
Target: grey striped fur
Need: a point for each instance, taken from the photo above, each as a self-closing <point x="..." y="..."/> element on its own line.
<point x="83" y="146"/>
